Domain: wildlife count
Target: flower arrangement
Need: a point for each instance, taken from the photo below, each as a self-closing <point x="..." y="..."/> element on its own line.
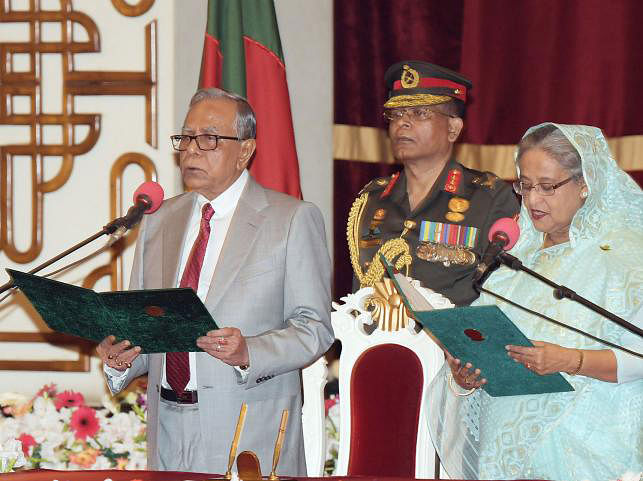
<point x="57" y="430"/>
<point x="332" y="434"/>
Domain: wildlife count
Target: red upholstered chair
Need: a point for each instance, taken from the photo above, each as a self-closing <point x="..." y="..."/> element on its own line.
<point x="384" y="372"/>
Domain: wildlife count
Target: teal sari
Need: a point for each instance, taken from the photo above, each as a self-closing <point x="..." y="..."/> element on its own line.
<point x="595" y="432"/>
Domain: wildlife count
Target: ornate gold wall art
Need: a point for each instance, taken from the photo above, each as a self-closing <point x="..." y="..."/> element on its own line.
<point x="21" y="104"/>
<point x="119" y="202"/>
<point x="128" y="10"/>
<point x="387" y="308"/>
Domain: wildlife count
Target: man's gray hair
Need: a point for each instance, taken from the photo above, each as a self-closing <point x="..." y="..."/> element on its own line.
<point x="551" y="140"/>
<point x="246" y="122"/>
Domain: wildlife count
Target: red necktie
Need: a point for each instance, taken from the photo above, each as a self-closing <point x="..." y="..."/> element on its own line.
<point x="177" y="364"/>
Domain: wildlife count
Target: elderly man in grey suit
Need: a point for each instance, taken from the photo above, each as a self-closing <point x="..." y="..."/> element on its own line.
<point x="259" y="262"/>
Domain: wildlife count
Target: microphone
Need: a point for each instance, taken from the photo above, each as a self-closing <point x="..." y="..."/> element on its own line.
<point x="147" y="199"/>
<point x="503" y="235"/>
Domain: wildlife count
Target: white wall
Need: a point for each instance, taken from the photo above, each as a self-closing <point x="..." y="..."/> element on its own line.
<point x="306" y="29"/>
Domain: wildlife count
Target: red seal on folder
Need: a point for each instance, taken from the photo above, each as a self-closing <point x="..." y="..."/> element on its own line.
<point x="474" y="334"/>
<point x="154" y="311"/>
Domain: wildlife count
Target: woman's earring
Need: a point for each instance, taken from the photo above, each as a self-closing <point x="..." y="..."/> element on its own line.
<point x="584" y="194"/>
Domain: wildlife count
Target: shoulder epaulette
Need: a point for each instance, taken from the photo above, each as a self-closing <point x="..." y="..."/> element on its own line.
<point x="376" y="184"/>
<point x="486" y="180"/>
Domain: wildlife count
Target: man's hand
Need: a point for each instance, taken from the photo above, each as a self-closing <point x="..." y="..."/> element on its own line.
<point x="544" y="357"/>
<point x="465" y="376"/>
<point x="117" y="355"/>
<point x="226" y="344"/>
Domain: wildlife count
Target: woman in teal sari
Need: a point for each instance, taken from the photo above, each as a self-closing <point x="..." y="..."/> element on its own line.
<point x="581" y="226"/>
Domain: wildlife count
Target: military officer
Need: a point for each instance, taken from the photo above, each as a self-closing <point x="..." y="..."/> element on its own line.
<point x="432" y="218"/>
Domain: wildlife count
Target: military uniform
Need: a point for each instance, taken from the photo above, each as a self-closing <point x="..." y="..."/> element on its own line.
<point x="438" y="243"/>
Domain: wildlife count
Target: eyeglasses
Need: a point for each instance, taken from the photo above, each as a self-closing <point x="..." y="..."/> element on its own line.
<point x="543" y="188"/>
<point x="415" y="114"/>
<point x="203" y="141"/>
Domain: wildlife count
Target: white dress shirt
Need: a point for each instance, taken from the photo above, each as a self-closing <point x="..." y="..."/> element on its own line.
<point x="224" y="206"/>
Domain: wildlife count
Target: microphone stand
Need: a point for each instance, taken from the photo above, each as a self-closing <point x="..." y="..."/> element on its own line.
<point x="119" y="223"/>
<point x="561" y="292"/>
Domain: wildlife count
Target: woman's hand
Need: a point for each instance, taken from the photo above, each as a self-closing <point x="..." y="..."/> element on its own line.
<point x="465" y="376"/>
<point x="545" y="358"/>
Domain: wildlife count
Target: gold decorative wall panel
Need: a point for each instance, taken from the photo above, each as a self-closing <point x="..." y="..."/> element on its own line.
<point x="19" y="84"/>
<point x="118" y="205"/>
<point x="23" y="79"/>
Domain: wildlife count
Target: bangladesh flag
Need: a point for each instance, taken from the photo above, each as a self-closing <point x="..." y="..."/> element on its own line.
<point x="242" y="54"/>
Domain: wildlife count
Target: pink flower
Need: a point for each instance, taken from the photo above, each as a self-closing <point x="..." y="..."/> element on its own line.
<point x="69" y="399"/>
<point x="27" y="441"/>
<point x="49" y="389"/>
<point x="330" y="402"/>
<point x="84" y="423"/>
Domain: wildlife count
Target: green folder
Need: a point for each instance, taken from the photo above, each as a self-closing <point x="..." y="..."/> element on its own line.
<point x="157" y="320"/>
<point x="479" y="335"/>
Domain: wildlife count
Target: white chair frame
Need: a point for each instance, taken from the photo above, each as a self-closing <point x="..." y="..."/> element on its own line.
<point x="348" y="321"/>
<point x="313" y="419"/>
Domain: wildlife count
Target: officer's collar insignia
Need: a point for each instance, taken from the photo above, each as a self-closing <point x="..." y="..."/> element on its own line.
<point x="454" y="177"/>
<point x="390" y="185"/>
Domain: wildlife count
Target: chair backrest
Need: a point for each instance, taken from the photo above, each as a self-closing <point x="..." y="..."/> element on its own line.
<point x="385" y="401"/>
<point x="384" y="371"/>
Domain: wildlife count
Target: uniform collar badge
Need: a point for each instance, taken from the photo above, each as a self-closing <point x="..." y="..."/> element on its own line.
<point x="454" y="177"/>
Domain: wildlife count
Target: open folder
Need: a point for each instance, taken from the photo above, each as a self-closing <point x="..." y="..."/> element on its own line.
<point x="157" y="320"/>
<point x="479" y="335"/>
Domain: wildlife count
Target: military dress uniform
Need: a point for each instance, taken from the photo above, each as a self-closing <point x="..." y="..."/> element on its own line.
<point x="438" y="243"/>
<point x="442" y="240"/>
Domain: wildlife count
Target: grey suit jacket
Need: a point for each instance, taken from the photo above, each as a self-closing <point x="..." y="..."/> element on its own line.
<point x="272" y="281"/>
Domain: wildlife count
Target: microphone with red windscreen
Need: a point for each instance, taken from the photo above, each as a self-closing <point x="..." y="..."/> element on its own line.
<point x="503" y="235"/>
<point x="147" y="199"/>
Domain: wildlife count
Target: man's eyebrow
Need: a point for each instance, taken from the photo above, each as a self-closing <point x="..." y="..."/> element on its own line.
<point x="207" y="130"/>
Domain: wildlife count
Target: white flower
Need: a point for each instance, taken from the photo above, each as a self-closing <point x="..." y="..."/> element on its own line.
<point x="55" y="440"/>
<point x="12" y="399"/>
<point x="109" y="404"/>
<point x="11" y="455"/>
<point x="631" y="476"/>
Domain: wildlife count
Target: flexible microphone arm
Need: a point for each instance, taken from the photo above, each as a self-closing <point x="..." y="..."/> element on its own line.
<point x="119" y="226"/>
<point x="562" y="292"/>
<point x="107" y="230"/>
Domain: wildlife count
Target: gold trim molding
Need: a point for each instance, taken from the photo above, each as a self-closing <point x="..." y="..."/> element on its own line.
<point x="370" y="144"/>
<point x="83" y="348"/>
